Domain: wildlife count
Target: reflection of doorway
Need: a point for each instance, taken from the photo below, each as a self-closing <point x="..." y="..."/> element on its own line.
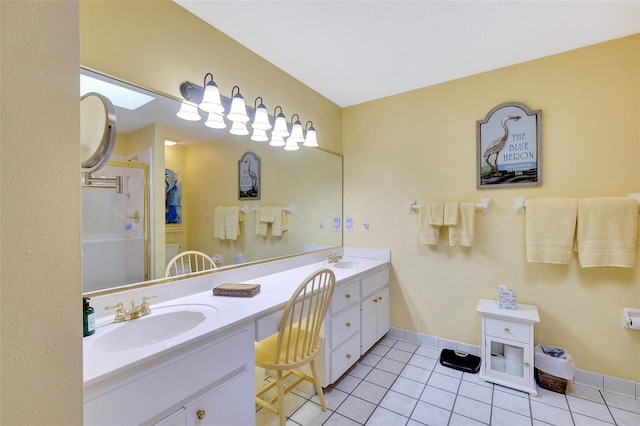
<point x="115" y="229"/>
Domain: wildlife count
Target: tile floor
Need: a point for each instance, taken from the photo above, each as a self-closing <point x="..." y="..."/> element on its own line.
<point x="400" y="383"/>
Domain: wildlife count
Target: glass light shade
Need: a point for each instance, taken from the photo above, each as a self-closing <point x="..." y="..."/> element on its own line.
<point x="188" y="112"/>
<point x="276" y="141"/>
<point x="215" y="121"/>
<point x="239" y="129"/>
<point x="280" y="128"/>
<point x="211" y="99"/>
<point x="296" y="132"/>
<point x="291" y="145"/>
<point x="311" y="140"/>
<point x="238" y="111"/>
<point x="261" y="120"/>
<point x="259" y="135"/>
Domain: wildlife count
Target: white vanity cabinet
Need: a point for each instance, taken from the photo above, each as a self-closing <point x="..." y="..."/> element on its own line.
<point x="211" y="377"/>
<point x="352" y="318"/>
<point x="507" y="345"/>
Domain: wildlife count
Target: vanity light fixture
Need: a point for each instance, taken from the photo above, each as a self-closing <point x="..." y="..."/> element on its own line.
<point x="238" y="111"/>
<point x="167" y="142"/>
<point x="211" y="97"/>
<point x="215" y="121"/>
<point x="296" y="130"/>
<point x="310" y="140"/>
<point x="261" y="119"/>
<point x="291" y="145"/>
<point x="259" y="135"/>
<point x="277" y="141"/>
<point x="280" y="128"/>
<point x="239" y="128"/>
<point x="188" y="112"/>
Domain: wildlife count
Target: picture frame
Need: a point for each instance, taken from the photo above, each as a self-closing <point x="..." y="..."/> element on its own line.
<point x="249" y="179"/>
<point x="509" y="147"/>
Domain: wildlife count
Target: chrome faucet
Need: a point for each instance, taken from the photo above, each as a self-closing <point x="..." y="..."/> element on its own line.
<point x="135" y="312"/>
<point x="333" y="257"/>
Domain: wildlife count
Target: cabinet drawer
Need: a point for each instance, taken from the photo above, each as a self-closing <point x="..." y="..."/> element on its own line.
<point x="344" y="325"/>
<point x="374" y="282"/>
<point x="344" y="296"/>
<point x="507" y="330"/>
<point x="344" y="357"/>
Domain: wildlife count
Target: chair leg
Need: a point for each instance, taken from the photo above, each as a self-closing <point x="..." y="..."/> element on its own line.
<point x="280" y="387"/>
<point x="316" y="382"/>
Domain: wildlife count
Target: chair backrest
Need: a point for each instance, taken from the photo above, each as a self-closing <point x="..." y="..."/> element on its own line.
<point x="299" y="329"/>
<point x="187" y="262"/>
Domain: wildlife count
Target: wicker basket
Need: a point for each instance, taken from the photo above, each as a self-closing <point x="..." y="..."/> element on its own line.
<point x="552" y="383"/>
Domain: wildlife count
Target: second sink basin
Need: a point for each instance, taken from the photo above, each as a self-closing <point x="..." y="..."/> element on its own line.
<point x="162" y="324"/>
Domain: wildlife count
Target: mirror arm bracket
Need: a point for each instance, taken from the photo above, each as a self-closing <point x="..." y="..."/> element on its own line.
<point x="102" y="182"/>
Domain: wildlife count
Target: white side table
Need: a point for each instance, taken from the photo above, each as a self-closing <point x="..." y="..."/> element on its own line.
<point x="507" y="345"/>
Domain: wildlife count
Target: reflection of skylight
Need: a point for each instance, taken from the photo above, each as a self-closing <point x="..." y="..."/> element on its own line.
<point x="119" y="96"/>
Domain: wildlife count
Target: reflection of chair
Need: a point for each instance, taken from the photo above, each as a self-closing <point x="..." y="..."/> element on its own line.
<point x="187" y="262"/>
<point x="297" y="341"/>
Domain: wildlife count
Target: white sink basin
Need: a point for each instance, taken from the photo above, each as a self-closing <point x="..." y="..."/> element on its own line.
<point x="161" y="325"/>
<point x="345" y="264"/>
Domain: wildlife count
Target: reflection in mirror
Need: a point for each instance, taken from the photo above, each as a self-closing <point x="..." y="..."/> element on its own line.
<point x="186" y="195"/>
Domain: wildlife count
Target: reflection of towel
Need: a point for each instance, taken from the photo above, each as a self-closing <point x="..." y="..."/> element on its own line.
<point x="451" y="213"/>
<point x="550" y="227"/>
<point x="461" y="234"/>
<point x="607" y="230"/>
<point x="226" y="222"/>
<point x="436" y="213"/>
<point x="274" y="217"/>
<point x="232" y="221"/>
<point x="428" y="233"/>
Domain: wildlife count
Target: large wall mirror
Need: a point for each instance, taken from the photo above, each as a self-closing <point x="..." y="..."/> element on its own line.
<point x="173" y="195"/>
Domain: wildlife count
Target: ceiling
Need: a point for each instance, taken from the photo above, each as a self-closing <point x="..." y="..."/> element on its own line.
<point x="357" y="51"/>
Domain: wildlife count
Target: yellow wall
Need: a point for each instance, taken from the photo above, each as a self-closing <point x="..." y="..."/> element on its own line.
<point x="421" y="146"/>
<point x="40" y="282"/>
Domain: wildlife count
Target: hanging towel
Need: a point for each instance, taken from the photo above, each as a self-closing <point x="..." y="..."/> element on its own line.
<point x="461" y="234"/>
<point x="436" y="213"/>
<point x="451" y="213"/>
<point x="429" y="234"/>
<point x="271" y="217"/>
<point x="262" y="225"/>
<point x="219" y="230"/>
<point x="607" y="229"/>
<point x="279" y="224"/>
<point x="550" y="228"/>
<point x="232" y="219"/>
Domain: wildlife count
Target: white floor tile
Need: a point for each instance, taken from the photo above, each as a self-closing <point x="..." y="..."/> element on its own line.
<point x="428" y="351"/>
<point x="332" y="396"/>
<point x="381" y="378"/>
<point x="447" y="383"/>
<point x="416" y="373"/>
<point x="406" y="346"/>
<point x="500" y="417"/>
<point x="549" y="414"/>
<point x="356" y="409"/>
<point x="310" y="414"/>
<point x="625" y="418"/>
<point x="620" y="401"/>
<point x="360" y="371"/>
<point x="460" y="420"/>
<point x="408" y="387"/>
<point x="551" y="398"/>
<point x="390" y="365"/>
<point x="338" y="420"/>
<point x="423" y="362"/>
<point x="511" y="402"/>
<point x="473" y="409"/>
<point x="347" y="383"/>
<point x="589" y="408"/>
<point x="370" y="359"/>
<point x="399" y="355"/>
<point x="380" y="350"/>
<point x="438" y="397"/>
<point x="388" y="341"/>
<point x="475" y="391"/>
<point x="383" y="417"/>
<point x="398" y="403"/>
<point x="439" y="368"/>
<point x="369" y="392"/>
<point x="430" y="414"/>
<point x="581" y="420"/>
<point x="585" y="392"/>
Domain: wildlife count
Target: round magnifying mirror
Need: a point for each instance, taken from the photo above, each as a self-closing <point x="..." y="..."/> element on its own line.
<point x="97" y="131"/>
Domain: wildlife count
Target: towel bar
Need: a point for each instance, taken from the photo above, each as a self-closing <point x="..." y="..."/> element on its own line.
<point x="520" y="202"/>
<point x="485" y="206"/>
<point x="289" y="209"/>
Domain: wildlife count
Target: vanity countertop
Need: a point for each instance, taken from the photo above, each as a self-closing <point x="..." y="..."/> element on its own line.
<point x="101" y="363"/>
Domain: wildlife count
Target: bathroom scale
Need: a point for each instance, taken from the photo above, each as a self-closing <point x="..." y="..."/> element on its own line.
<point x="459" y="360"/>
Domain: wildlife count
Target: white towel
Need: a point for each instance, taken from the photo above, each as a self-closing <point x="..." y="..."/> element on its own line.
<point x="271" y="217"/>
<point x="607" y="230"/>
<point x="462" y="233"/>
<point x="219" y="230"/>
<point x="550" y="228"/>
<point x="429" y="234"/>
<point x="436" y="213"/>
<point x="232" y="219"/>
<point x="451" y="209"/>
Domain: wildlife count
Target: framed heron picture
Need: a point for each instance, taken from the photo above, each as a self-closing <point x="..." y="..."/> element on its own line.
<point x="509" y="147"/>
<point x="249" y="177"/>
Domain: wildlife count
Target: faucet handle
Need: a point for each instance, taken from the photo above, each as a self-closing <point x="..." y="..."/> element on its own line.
<point x="121" y="314"/>
<point x="145" y="307"/>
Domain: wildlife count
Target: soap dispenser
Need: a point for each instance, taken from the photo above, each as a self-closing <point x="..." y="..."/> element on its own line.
<point x="89" y="322"/>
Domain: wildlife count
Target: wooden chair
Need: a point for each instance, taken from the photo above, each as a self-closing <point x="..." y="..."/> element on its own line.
<point x="297" y="341"/>
<point x="187" y="262"/>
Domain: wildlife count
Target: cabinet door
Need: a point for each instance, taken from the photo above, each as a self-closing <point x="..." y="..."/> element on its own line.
<point x="382" y="317"/>
<point x="375" y="318"/>
<point x="508" y="361"/>
<point x="221" y="406"/>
